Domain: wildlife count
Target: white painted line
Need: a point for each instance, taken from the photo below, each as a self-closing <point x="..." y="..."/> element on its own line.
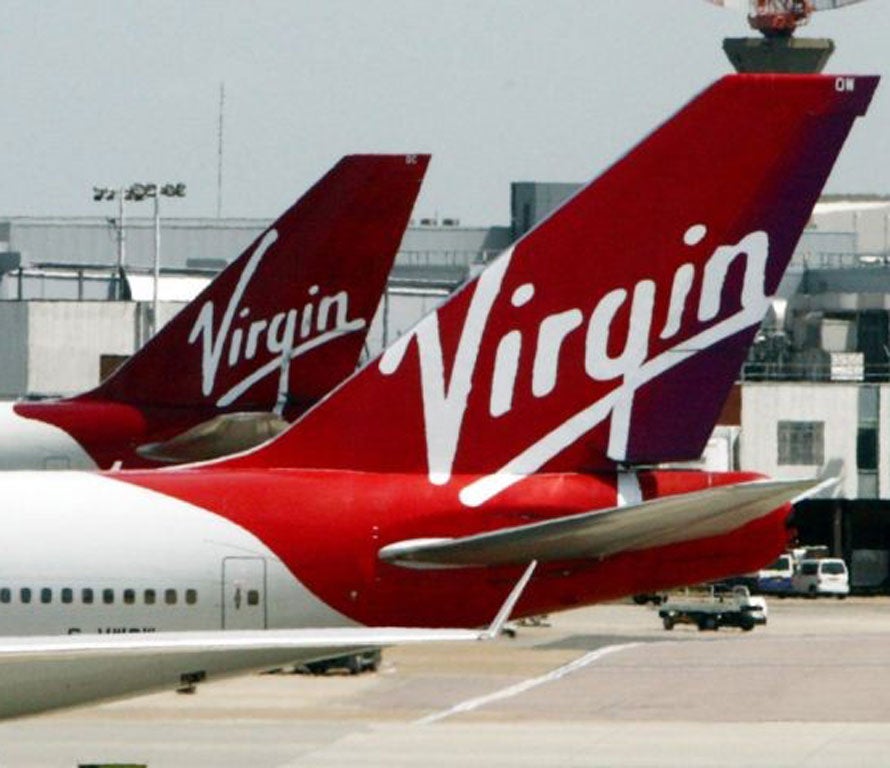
<point x="526" y="685"/>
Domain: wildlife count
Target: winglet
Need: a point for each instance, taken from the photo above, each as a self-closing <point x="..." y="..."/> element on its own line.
<point x="816" y="489"/>
<point x="494" y="630"/>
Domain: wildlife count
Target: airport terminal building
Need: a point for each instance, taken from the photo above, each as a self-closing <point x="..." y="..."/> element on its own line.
<point x="813" y="397"/>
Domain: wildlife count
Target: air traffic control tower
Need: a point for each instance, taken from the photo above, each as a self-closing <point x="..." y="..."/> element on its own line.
<point x="776" y="49"/>
<point x="778" y="54"/>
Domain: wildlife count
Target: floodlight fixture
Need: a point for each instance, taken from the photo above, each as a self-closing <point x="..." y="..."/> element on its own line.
<point x="136" y="193"/>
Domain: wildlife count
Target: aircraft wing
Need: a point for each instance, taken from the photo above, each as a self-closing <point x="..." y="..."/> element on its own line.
<point x="41" y="673"/>
<point x="44" y="673"/>
<point x="654" y="523"/>
<point x="69" y="648"/>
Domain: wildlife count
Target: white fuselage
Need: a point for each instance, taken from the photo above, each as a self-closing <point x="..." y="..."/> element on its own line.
<point x="84" y="553"/>
<point x="32" y="444"/>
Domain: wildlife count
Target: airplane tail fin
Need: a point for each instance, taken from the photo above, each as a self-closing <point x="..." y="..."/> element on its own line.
<point x="612" y="332"/>
<point x="286" y="321"/>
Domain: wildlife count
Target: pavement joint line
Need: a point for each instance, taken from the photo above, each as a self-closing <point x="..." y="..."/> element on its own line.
<point x="526" y="685"/>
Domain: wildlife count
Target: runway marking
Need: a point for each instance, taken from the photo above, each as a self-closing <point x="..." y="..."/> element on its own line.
<point x="526" y="685"/>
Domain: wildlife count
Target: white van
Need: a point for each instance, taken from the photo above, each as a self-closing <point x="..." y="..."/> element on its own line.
<point x="827" y="576"/>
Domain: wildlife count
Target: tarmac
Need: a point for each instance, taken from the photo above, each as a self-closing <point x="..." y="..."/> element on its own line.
<point x="600" y="686"/>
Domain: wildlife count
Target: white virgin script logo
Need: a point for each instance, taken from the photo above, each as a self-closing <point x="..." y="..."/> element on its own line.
<point x="320" y="320"/>
<point x="445" y="403"/>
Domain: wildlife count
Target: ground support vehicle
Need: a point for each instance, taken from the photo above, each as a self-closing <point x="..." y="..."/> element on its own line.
<point x="354" y="663"/>
<point x="720" y="607"/>
<point x="826" y="576"/>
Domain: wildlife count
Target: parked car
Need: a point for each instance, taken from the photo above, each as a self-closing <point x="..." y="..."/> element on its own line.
<point x="827" y="576"/>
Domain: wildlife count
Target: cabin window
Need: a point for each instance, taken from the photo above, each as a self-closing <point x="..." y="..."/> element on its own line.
<point x="191" y="596"/>
<point x="170" y="596"/>
<point x="150" y="596"/>
<point x="25" y="594"/>
<point x="5" y="595"/>
<point x="86" y="596"/>
<point x="253" y="597"/>
<point x="46" y="595"/>
<point x="67" y="595"/>
<point x="108" y="596"/>
<point x="129" y="596"/>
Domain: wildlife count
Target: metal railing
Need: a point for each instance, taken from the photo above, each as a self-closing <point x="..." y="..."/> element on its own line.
<point x="776" y="371"/>
<point x="437" y="257"/>
<point x="846" y="260"/>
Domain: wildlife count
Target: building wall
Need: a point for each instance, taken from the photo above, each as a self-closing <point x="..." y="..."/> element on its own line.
<point x="67" y="338"/>
<point x="184" y="242"/>
<point x="869" y="219"/>
<point x="837" y="406"/>
<point x="404" y="311"/>
<point x="55" y="347"/>
<point x="13" y="349"/>
<point x="884" y="441"/>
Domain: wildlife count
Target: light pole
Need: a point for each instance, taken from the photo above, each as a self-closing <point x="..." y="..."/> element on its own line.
<point x="109" y="193"/>
<point x="138" y="192"/>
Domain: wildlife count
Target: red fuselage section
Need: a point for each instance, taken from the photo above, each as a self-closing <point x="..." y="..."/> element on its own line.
<point x="328" y="527"/>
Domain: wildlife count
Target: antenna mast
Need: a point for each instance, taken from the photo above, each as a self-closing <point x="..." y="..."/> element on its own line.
<point x="219" y="157"/>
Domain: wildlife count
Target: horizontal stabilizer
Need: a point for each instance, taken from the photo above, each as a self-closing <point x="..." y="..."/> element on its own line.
<point x="222" y="435"/>
<point x="655" y="523"/>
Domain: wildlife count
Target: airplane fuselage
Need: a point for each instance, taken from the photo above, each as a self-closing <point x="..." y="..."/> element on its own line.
<point x="199" y="550"/>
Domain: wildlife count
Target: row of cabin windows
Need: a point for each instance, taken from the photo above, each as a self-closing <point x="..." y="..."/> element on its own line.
<point x="88" y="596"/>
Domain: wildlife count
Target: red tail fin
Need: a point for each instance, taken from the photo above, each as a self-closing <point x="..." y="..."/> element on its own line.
<point x="614" y="330"/>
<point x="289" y="316"/>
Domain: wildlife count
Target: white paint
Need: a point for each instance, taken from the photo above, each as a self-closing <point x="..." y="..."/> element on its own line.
<point x="506" y="366"/>
<point x="629" y="491"/>
<point x="444" y="405"/>
<point x="526" y="685"/>
<point x="755" y="248"/>
<point x="522" y="295"/>
<point x="554" y="331"/>
<point x="679" y="294"/>
<point x="695" y="234"/>
<point x="619" y="402"/>
<point x="279" y="331"/>
<point x="598" y="363"/>
<point x="77" y="530"/>
<point x="212" y="348"/>
<point x="31" y="444"/>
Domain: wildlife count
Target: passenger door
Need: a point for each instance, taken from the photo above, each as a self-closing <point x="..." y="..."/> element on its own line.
<point x="244" y="593"/>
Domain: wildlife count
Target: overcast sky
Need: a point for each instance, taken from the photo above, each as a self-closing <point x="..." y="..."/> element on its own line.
<point x="497" y="90"/>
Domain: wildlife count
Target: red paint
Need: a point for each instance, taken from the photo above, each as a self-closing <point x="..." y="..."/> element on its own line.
<point x="749" y="155"/>
<point x="328" y="527"/>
